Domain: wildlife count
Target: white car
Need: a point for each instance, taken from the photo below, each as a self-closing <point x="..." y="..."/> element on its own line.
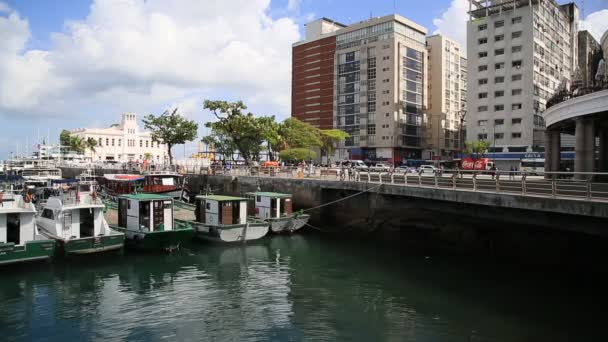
<point x="380" y="168"/>
<point x="427" y="169"/>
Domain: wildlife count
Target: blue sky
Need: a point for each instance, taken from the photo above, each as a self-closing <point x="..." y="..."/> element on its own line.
<point x="76" y="63"/>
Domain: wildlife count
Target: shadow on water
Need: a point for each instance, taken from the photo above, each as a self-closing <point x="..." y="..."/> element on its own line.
<point x="302" y="287"/>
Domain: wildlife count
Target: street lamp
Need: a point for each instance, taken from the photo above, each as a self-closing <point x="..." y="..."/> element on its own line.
<point x="462" y="115"/>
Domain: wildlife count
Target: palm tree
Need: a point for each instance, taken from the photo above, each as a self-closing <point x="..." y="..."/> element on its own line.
<point x="91" y="143"/>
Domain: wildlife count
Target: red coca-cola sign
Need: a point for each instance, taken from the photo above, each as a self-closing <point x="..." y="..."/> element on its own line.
<point x="472" y="164"/>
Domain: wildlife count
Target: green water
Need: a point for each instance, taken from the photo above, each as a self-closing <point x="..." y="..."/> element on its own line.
<point x="298" y="288"/>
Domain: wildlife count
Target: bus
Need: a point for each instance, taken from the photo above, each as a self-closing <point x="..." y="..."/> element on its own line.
<point x="535" y="166"/>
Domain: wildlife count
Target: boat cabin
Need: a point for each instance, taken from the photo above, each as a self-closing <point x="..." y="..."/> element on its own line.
<point x="73" y="215"/>
<point x="271" y="204"/>
<point x="221" y="210"/>
<point x="145" y="212"/>
<point x="17" y="223"/>
<point x="121" y="184"/>
<point x="162" y="181"/>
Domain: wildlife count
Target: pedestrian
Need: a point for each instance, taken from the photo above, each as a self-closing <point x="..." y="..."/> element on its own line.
<point x="493" y="169"/>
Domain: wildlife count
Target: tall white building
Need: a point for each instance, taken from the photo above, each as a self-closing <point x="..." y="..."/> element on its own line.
<point x="519" y="52"/>
<point x="123" y="142"/>
<point x="447" y="95"/>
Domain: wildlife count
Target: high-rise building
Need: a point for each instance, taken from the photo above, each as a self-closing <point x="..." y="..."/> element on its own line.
<point x="380" y="89"/>
<point x="519" y="52"/>
<point x="589" y="55"/>
<point x="312" y="88"/>
<point x="604" y="44"/>
<point x="447" y="95"/>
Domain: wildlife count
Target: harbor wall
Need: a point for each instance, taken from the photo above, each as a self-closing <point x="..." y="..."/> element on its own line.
<point x="433" y="219"/>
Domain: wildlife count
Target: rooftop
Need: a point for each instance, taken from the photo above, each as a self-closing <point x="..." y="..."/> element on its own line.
<point x="146" y="197"/>
<point x="220" y="198"/>
<point x="270" y="194"/>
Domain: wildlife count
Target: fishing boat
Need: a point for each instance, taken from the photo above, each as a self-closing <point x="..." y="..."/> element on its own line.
<point x="277" y="209"/>
<point x="19" y="240"/>
<point x="114" y="185"/>
<point x="74" y="219"/>
<point x="166" y="183"/>
<point x="224" y="219"/>
<point x="147" y="220"/>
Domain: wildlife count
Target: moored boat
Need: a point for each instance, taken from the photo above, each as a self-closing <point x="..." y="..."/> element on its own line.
<point x="277" y="209"/>
<point x="147" y="220"/>
<point x="224" y="219"/>
<point x="166" y="183"/>
<point x="19" y="240"/>
<point x="74" y="219"/>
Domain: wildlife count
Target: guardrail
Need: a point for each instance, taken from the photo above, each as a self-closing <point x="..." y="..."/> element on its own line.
<point x="587" y="186"/>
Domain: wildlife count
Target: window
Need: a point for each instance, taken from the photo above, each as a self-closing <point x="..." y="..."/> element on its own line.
<point x="483" y="54"/>
<point x="499" y="38"/>
<point x="483" y="95"/>
<point x="371" y="74"/>
<point x="499" y="23"/>
<point x="386" y="92"/>
<point x="385" y="69"/>
<point x="112" y="142"/>
<point x="516" y="64"/>
<point x="482" y="41"/>
<point x="141" y="143"/>
<point x="371" y="62"/>
<point x="516" y="49"/>
<point x="107" y="141"/>
<point x="482" y="68"/>
<point x="482" y="108"/>
<point x="386" y="114"/>
<point x="146" y="143"/>
<point x="499" y="52"/>
<point x="483" y="136"/>
<point x="100" y="141"/>
<point x="499" y="66"/>
<point x="47" y="213"/>
<point x="499" y="93"/>
<point x="386" y="80"/>
<point x="483" y="81"/>
<point x="516" y="77"/>
<point x="385" y="58"/>
<point x="516" y="135"/>
<point x="516" y="106"/>
<point x="516" y="34"/>
<point x="515" y="121"/>
<point x="371" y="129"/>
<point x="499" y="79"/>
<point x="498" y="122"/>
<point x="119" y="142"/>
<point x="516" y="20"/>
<point x="516" y="92"/>
<point x="482" y="27"/>
<point x="482" y="123"/>
<point x="498" y="108"/>
<point x="499" y="135"/>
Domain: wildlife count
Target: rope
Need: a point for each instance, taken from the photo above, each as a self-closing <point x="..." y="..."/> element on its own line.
<point x="342" y="199"/>
<point x="317" y="228"/>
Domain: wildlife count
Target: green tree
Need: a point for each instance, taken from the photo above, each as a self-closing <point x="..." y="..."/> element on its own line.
<point x="476" y="148"/>
<point x="147" y="156"/>
<point x="235" y="130"/>
<point x="170" y="129"/>
<point x="297" y="154"/>
<point x="64" y="138"/>
<point x="295" y="134"/>
<point x="329" y="139"/>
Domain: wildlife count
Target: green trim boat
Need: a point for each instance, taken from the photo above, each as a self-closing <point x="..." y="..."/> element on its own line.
<point x="277" y="209"/>
<point x="147" y="222"/>
<point x="224" y="219"/>
<point x="19" y="240"/>
<point x="75" y="220"/>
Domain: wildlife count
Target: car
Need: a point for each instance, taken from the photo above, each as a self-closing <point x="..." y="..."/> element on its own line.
<point x="358" y="164"/>
<point x="405" y="169"/>
<point x="380" y="167"/>
<point x="427" y="169"/>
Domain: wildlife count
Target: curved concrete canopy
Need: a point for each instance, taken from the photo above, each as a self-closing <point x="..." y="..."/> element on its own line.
<point x="593" y="103"/>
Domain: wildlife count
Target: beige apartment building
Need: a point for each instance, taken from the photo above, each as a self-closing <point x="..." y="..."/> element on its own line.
<point x="380" y="85"/>
<point x="519" y="53"/>
<point x="447" y="96"/>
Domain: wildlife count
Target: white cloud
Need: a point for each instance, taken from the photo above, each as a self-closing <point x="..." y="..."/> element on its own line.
<point x="453" y="22"/>
<point x="138" y="54"/>
<point x="596" y="23"/>
<point x="293" y="5"/>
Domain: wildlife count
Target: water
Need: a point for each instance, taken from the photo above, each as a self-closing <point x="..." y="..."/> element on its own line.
<point x="298" y="288"/>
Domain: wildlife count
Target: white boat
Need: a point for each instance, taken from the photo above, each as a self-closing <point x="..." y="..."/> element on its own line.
<point x="19" y="240"/>
<point x="75" y="220"/>
<point x="277" y="209"/>
<point x="224" y="219"/>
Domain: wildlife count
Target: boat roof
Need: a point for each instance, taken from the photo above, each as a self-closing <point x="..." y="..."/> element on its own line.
<point x="269" y="194"/>
<point x="220" y="198"/>
<point x="123" y="177"/>
<point x="146" y="197"/>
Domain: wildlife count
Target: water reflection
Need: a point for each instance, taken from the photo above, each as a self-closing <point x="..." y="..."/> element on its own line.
<point x="294" y="288"/>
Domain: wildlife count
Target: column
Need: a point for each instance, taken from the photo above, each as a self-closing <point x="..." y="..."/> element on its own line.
<point x="556" y="146"/>
<point x="603" y="149"/>
<point x="584" y="150"/>
<point x="548" y="154"/>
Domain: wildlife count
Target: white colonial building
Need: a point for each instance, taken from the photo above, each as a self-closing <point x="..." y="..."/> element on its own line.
<point x="123" y="142"/>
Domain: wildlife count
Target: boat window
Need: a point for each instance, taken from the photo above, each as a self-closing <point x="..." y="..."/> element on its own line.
<point x="85" y="188"/>
<point x="259" y="199"/>
<point x="208" y="206"/>
<point x="13" y="225"/>
<point x="167" y="205"/>
<point x="168" y="181"/>
<point x="47" y="213"/>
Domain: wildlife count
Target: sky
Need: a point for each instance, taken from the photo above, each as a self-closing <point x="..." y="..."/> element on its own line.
<point x="67" y="64"/>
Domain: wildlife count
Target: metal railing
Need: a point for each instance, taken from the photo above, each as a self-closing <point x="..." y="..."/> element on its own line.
<point x="587" y="186"/>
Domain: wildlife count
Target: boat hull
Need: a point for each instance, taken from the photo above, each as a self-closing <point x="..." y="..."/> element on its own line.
<point x="231" y="233"/>
<point x="32" y="251"/>
<point x="288" y="224"/>
<point x="91" y="245"/>
<point x="167" y="240"/>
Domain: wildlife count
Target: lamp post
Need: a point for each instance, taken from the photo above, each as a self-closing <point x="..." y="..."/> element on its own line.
<point x="462" y="115"/>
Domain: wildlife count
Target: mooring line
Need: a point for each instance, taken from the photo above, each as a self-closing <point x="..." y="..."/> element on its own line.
<point x="342" y="199"/>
